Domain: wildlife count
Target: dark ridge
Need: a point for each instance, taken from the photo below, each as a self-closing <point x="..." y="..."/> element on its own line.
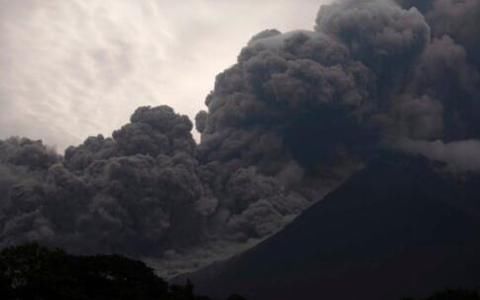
<point x="399" y="227"/>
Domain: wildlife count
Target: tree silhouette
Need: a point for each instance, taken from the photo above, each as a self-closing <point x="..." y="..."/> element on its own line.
<point x="35" y="272"/>
<point x="453" y="295"/>
<point x="236" y="297"/>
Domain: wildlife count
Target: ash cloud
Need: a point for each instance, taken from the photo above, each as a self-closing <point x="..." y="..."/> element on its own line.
<point x="295" y="116"/>
<point x="130" y="193"/>
<point x="461" y="156"/>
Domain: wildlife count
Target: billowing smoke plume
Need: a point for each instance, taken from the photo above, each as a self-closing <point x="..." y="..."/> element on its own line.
<point x="130" y="193"/>
<point x="459" y="156"/>
<point x="297" y="114"/>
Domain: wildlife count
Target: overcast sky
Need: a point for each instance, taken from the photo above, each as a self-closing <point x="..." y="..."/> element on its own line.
<point x="74" y="68"/>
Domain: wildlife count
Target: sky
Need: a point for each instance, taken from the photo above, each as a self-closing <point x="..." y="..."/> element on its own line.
<point x="71" y="69"/>
<point x="309" y="109"/>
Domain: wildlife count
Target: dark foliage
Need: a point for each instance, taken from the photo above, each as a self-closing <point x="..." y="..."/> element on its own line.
<point x="34" y="272"/>
<point x="453" y="295"/>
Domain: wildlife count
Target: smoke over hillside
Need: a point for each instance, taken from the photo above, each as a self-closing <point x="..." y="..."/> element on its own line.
<point x="295" y="116"/>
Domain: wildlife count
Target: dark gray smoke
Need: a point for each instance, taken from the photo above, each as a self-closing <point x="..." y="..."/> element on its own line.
<point x="296" y="115"/>
<point x="132" y="193"/>
<point x="460" y="156"/>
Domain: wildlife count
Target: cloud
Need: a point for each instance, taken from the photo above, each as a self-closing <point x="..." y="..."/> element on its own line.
<point x="73" y="69"/>
<point x="128" y="194"/>
<point x="459" y="155"/>
<point x="297" y="114"/>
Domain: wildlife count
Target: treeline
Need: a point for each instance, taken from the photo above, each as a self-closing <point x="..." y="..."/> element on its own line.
<point x="452" y="295"/>
<point x="31" y="271"/>
<point x="34" y="272"/>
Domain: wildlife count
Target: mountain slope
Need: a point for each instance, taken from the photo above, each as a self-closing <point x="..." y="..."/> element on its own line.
<point x="399" y="227"/>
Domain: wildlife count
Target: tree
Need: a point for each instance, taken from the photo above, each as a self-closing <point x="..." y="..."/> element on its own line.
<point x="35" y="272"/>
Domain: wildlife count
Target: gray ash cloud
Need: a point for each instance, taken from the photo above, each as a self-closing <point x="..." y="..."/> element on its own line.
<point x="297" y="114"/>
